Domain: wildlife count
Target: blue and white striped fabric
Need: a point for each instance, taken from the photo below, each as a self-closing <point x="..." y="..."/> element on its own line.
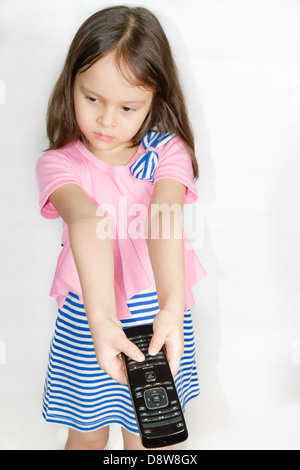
<point x="78" y="393"/>
<point x="144" y="166"/>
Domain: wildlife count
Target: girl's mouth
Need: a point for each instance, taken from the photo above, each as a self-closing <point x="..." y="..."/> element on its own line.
<point x="103" y="138"/>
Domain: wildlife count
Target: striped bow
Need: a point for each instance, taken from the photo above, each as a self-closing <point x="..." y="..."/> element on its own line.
<point x="144" y="166"/>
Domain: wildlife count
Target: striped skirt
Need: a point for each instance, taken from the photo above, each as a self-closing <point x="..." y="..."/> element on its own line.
<point x="78" y="393"/>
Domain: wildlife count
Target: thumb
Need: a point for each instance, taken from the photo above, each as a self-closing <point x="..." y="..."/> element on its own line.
<point x="156" y="343"/>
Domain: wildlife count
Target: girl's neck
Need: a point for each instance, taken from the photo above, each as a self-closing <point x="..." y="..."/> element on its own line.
<point x="120" y="156"/>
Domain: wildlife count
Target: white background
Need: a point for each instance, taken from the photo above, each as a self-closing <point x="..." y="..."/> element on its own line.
<point x="240" y="67"/>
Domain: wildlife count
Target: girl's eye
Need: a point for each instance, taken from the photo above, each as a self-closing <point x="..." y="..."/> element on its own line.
<point x="92" y="100"/>
<point x="127" y="109"/>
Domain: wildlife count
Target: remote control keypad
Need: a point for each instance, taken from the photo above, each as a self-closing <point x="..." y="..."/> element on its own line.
<point x="155" y="410"/>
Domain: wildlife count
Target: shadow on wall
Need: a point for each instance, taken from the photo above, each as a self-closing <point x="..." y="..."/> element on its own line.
<point x="283" y="233"/>
<point x="213" y="414"/>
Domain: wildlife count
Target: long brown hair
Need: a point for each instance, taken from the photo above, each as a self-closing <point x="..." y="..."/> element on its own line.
<point x="140" y="43"/>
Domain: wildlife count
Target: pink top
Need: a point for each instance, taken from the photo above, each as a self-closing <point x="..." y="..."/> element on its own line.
<point x="124" y="196"/>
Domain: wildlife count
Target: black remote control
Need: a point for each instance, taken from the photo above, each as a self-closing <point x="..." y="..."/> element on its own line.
<point x="154" y="396"/>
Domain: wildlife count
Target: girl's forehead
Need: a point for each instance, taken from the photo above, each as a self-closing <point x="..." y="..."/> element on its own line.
<point x="107" y="75"/>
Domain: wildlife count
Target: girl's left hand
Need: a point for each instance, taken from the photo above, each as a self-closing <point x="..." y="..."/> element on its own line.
<point x="168" y="331"/>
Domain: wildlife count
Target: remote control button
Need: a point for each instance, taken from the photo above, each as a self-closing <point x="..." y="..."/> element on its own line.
<point x="156" y="398"/>
<point x="150" y="376"/>
<point x="170" y="388"/>
<point x="158" y="424"/>
<point x="155" y="419"/>
<point x="175" y="420"/>
<point x="135" y="366"/>
<point x="180" y="425"/>
<point x="164" y="411"/>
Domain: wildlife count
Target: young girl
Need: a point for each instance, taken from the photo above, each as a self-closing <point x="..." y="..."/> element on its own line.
<point x="119" y="168"/>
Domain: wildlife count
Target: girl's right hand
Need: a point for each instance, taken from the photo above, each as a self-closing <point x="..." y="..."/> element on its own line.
<point x="109" y="342"/>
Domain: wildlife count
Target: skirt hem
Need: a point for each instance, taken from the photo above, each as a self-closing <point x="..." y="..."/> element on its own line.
<point x="110" y="421"/>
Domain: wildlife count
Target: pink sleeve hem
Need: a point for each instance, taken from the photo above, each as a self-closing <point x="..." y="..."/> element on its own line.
<point x="46" y="208"/>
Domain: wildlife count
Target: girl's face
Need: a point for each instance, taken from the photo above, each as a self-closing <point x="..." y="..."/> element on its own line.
<point x="109" y="111"/>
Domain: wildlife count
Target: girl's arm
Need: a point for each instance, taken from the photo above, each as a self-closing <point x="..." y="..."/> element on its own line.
<point x="95" y="265"/>
<point x="166" y="252"/>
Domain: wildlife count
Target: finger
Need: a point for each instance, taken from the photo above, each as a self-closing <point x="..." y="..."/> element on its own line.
<point x="131" y="350"/>
<point x="174" y="364"/>
<point x="116" y="371"/>
<point x="174" y="354"/>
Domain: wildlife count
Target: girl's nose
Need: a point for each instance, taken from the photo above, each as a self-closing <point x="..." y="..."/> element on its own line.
<point x="106" y="118"/>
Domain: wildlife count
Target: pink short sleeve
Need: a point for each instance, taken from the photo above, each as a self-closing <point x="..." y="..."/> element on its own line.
<point x="175" y="163"/>
<point x="53" y="170"/>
